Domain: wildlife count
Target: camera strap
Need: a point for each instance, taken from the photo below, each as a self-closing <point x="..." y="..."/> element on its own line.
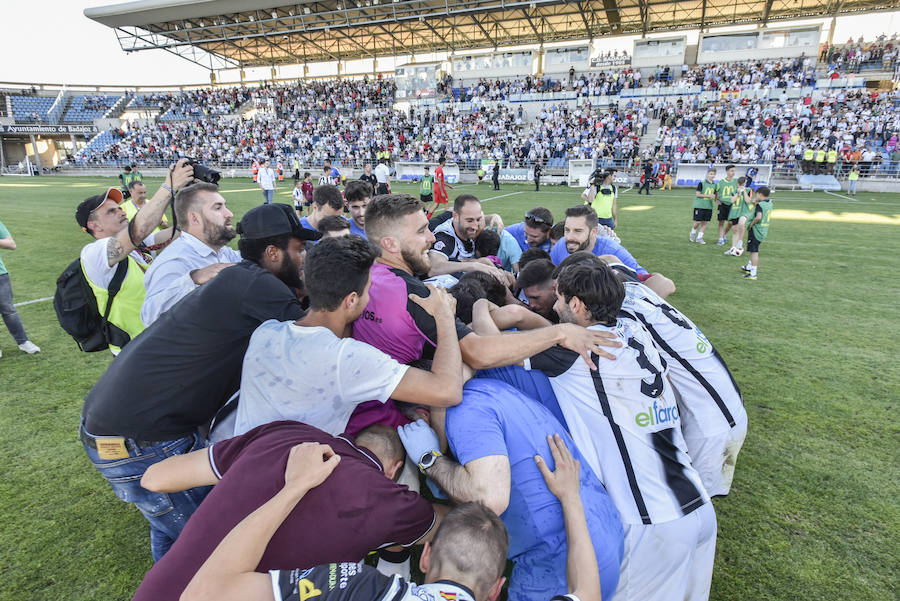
<point x="144" y="248"/>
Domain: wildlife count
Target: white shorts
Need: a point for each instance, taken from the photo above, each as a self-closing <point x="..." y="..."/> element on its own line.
<point x="714" y="456"/>
<point x="672" y="561"/>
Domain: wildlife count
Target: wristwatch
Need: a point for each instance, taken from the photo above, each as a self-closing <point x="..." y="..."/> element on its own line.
<point x="428" y="460"/>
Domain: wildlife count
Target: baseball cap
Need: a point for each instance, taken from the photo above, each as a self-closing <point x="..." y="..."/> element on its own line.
<point x="268" y="221"/>
<point x="89" y="205"/>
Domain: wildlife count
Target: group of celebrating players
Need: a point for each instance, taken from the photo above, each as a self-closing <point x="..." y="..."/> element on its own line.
<point x="318" y="372"/>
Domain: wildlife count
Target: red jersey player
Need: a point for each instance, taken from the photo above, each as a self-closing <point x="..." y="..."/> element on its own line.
<point x="440" y="187"/>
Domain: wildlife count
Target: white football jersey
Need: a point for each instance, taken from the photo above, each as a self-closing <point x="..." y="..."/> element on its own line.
<point x="709" y="398"/>
<point x="625" y="420"/>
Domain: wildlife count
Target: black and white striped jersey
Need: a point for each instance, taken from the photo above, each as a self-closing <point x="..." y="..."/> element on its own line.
<point x="707" y="393"/>
<point x="626" y="422"/>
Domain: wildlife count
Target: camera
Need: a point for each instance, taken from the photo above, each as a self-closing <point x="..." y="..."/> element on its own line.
<point x="204" y="173"/>
<point x="598" y="176"/>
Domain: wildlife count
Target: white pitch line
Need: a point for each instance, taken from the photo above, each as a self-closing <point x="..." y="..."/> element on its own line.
<point x="36" y="300"/>
<point x="502" y="196"/>
<point x="839" y="195"/>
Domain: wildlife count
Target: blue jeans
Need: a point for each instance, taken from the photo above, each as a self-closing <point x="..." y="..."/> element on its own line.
<point x="166" y="512"/>
<point x="608" y="221"/>
<point x="267" y="195"/>
<point x="8" y="311"/>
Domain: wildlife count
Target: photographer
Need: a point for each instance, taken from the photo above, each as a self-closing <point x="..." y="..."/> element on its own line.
<point x="603" y="197"/>
<point x="117" y="239"/>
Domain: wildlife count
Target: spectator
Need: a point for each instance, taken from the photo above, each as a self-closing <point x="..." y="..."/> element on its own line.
<point x="7" y="308"/>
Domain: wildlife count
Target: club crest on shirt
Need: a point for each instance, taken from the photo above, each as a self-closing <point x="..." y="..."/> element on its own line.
<point x="439" y="245"/>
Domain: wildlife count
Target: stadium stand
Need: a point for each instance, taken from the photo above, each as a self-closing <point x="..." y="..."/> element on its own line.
<point x="31" y="109"/>
<point x="84" y="109"/>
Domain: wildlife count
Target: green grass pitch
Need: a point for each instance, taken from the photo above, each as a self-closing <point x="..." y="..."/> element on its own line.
<point x="813" y="344"/>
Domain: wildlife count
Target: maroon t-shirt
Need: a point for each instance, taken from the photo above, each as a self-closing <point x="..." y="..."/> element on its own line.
<point x="356" y="510"/>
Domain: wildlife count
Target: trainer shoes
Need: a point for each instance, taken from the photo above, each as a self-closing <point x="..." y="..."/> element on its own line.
<point x="721" y="242"/>
<point x="29" y="347"/>
<point x="701" y="241"/>
<point x="745" y="269"/>
<point x="749" y="276"/>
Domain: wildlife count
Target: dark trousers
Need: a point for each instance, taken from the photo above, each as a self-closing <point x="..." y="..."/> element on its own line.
<point x="496" y="183"/>
<point x="537" y="184"/>
<point x="645" y="186"/>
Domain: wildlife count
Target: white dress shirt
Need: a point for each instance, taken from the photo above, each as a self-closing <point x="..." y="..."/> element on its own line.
<point x="169" y="277"/>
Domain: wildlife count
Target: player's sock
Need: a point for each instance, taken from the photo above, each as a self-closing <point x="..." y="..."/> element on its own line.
<point x="394" y="562"/>
<point x="753" y="270"/>
<point x="693" y="235"/>
<point x="740" y="244"/>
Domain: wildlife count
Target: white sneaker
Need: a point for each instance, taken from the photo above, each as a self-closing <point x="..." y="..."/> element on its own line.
<point x="721" y="242"/>
<point x="29" y="347"/>
<point x="701" y="241"/>
<point x="693" y="235"/>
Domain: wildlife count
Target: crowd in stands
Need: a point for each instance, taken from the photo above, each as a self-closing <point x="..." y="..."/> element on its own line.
<point x="854" y="55"/>
<point x="97" y="102"/>
<point x="752" y="75"/>
<point x="322" y="119"/>
<point x="852" y="123"/>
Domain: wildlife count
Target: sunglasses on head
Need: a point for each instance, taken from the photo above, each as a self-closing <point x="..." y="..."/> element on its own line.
<point x="529" y="216"/>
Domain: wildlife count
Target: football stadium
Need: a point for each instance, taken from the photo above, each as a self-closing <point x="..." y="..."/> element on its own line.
<point x="455" y="301"/>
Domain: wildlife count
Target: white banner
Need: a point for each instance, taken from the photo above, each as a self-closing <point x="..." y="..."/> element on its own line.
<point x="691" y="174"/>
<point x="413" y="172"/>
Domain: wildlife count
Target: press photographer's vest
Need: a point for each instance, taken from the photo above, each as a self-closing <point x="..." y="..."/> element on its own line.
<point x="603" y="202"/>
<point x="126" y="308"/>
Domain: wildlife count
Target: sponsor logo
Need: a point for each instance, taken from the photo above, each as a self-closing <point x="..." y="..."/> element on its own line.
<point x="370" y="316"/>
<point x="307" y="590"/>
<point x="703" y="344"/>
<point x="655" y="415"/>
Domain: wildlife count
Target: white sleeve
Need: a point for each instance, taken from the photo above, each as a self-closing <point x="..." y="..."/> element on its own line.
<point x="365" y="373"/>
<point x="164" y="290"/>
<point x="96" y="264"/>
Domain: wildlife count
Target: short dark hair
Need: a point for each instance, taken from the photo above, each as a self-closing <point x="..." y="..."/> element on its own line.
<point x="557" y="231"/>
<point x="186" y="200"/>
<point x="742" y="180"/>
<point x="306" y="174"/>
<point x="334" y="268"/>
<point x="532" y="254"/>
<point x="494" y="291"/>
<point x="461" y="201"/>
<point x="542" y="214"/>
<point x="471" y="540"/>
<point x="579" y="257"/>
<point x="328" y="195"/>
<point x="385" y="210"/>
<point x="332" y="223"/>
<point x="727" y="167"/>
<point x="135" y="182"/>
<point x="596" y="286"/>
<point x="586" y="211"/>
<point x="763" y="191"/>
<point x="384" y="441"/>
<point x="487" y="243"/>
<point x="536" y="272"/>
<point x="253" y="249"/>
<point x="442" y="160"/>
<point x="466" y="293"/>
<point x="358" y="190"/>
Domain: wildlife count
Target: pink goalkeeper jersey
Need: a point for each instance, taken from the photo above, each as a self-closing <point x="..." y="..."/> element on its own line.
<point x="397" y="326"/>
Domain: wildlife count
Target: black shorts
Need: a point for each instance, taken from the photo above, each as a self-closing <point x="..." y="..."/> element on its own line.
<point x="724" y="209"/>
<point x="426" y="198"/>
<point x="702" y="214"/>
<point x="753" y="243"/>
<point x="734" y="221"/>
<point x="381" y="189"/>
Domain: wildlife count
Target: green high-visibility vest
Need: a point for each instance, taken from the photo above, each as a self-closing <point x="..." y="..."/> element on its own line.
<point x="126" y="309"/>
<point x="832" y="156"/>
<point x="820" y="156"/>
<point x="808" y="154"/>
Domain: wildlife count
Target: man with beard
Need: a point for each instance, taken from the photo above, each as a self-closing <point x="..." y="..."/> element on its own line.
<point x="169" y="382"/>
<point x="581" y="233"/>
<point x="395" y="324"/>
<point x="197" y="256"/>
<point x="454" y="245"/>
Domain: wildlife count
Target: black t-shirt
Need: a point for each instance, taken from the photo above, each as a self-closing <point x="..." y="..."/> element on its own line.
<point x="370" y="178"/>
<point x="174" y="377"/>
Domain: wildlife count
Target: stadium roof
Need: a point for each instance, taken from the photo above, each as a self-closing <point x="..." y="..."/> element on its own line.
<point x="220" y="34"/>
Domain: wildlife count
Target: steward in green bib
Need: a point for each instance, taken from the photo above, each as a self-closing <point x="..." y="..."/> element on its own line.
<point x="118" y="240"/>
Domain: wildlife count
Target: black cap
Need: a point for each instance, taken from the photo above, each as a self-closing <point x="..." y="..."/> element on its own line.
<point x="270" y="220"/>
<point x="89" y="205"/>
